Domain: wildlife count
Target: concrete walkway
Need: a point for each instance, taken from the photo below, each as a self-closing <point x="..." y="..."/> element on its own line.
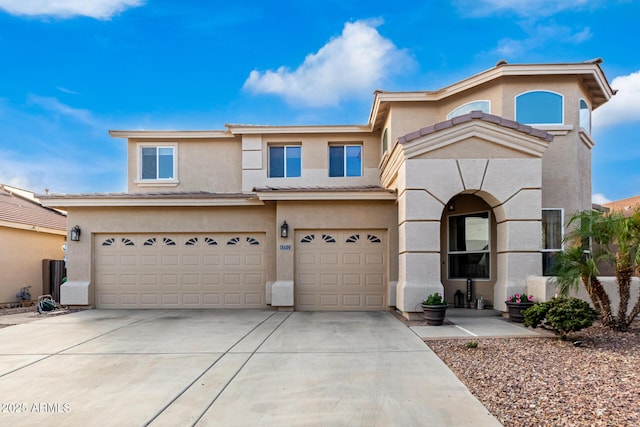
<point x="227" y="368"/>
<point x="469" y="323"/>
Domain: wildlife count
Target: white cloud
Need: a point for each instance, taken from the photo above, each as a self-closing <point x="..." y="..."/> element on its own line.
<point x="99" y="9"/>
<point x="58" y="108"/>
<point x="350" y="65"/>
<point x="624" y="106"/>
<point x="524" y="8"/>
<point x="599" y="199"/>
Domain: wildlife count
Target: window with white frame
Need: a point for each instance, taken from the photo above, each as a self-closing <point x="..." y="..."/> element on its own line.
<point x="345" y="160"/>
<point x="157" y="162"/>
<point x="585" y="116"/>
<point x="285" y="161"/>
<point x="469" y="249"/>
<point x="539" y="107"/>
<point x="552" y="235"/>
<point x="484" y="106"/>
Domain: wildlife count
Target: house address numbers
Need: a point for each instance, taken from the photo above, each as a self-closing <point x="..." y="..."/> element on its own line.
<point x="285" y="247"/>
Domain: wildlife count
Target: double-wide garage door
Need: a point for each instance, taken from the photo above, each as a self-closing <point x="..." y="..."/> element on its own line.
<point x="338" y="270"/>
<point x="180" y="270"/>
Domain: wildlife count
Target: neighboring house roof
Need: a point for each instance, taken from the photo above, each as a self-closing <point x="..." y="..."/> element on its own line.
<point x="476" y="115"/>
<point x="627" y="206"/>
<point x="20" y="209"/>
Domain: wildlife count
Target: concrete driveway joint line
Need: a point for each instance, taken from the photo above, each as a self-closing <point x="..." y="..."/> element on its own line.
<point x="230" y="368"/>
<point x="163" y="409"/>
<point x="47" y="356"/>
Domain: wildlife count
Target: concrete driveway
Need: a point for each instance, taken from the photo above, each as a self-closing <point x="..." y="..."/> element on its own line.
<point x="227" y="368"/>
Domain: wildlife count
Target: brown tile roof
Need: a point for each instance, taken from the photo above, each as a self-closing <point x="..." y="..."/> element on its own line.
<point x="18" y="209"/>
<point x="476" y="115"/>
<point x="361" y="188"/>
<point x="153" y="195"/>
<point x="626" y="206"/>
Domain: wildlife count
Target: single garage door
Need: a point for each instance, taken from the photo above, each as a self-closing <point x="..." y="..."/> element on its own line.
<point x="180" y="270"/>
<point x="338" y="270"/>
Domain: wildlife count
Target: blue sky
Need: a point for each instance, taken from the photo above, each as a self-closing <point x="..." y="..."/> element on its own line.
<point x="73" y="69"/>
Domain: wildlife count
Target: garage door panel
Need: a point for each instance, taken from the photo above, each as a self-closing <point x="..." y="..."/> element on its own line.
<point x="374" y="280"/>
<point x="179" y="270"/>
<point x="329" y="301"/>
<point x="340" y="270"/>
<point x="351" y="279"/>
<point x="374" y="259"/>
<point x="351" y="259"/>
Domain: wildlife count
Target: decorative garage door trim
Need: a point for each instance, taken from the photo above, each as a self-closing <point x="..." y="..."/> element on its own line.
<point x="341" y="270"/>
<point x="209" y="270"/>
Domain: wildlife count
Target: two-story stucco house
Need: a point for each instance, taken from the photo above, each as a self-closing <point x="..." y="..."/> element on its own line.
<point x="473" y="180"/>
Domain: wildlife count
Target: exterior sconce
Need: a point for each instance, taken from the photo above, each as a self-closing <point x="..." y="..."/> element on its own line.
<point x="284" y="230"/>
<point x="75" y="233"/>
<point x="452" y="206"/>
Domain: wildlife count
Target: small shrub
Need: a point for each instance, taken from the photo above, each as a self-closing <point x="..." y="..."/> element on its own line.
<point x="560" y="315"/>
<point x="472" y="344"/>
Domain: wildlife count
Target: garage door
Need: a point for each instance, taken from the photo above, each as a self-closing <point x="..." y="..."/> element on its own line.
<point x="339" y="270"/>
<point x="179" y="270"/>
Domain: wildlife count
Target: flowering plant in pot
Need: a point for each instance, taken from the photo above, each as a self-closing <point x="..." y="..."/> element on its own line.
<point x="517" y="304"/>
<point x="434" y="307"/>
<point x="520" y="299"/>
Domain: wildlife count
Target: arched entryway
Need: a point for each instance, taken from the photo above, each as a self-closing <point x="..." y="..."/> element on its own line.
<point x="468" y="248"/>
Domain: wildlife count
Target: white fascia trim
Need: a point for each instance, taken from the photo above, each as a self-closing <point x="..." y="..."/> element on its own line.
<point x="327" y="196"/>
<point x="128" y="202"/>
<point x="170" y="134"/>
<point x="35" y="228"/>
<point x="248" y="129"/>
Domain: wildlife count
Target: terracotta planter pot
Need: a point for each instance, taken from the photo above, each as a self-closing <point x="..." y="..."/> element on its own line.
<point x="434" y="314"/>
<point x="515" y="310"/>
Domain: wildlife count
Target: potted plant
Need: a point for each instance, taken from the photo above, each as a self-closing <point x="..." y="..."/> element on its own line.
<point x="434" y="307"/>
<point x="517" y="304"/>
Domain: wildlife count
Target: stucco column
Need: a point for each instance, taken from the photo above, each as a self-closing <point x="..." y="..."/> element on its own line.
<point x="519" y="239"/>
<point x="282" y="289"/>
<point x="419" y="250"/>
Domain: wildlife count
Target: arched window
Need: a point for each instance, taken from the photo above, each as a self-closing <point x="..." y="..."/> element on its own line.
<point x="484" y="106"/>
<point x="539" y="108"/>
<point x="585" y="116"/>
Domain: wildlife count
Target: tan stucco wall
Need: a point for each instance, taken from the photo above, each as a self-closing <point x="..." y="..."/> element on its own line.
<point x="21" y="255"/>
<point x="201" y="165"/>
<point x="244" y="219"/>
<point x="315" y="161"/>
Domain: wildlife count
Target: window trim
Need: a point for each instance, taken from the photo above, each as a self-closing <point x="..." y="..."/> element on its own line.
<point x="285" y="147"/>
<point x="156" y="181"/>
<point x="589" y="117"/>
<point x="488" y="251"/>
<point x="344" y="159"/>
<point x="542" y="248"/>
<point x="515" y="107"/>
<point x="451" y="116"/>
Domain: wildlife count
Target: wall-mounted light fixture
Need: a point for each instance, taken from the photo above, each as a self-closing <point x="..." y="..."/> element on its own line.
<point x="452" y="206"/>
<point x="284" y="230"/>
<point x="75" y="233"/>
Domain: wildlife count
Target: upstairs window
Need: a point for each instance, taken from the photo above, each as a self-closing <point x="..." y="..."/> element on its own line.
<point x="285" y="161"/>
<point x="345" y="160"/>
<point x="585" y="116"/>
<point x="157" y="163"/>
<point x="552" y="235"/>
<point x="539" y="108"/>
<point x="385" y="141"/>
<point x="484" y="106"/>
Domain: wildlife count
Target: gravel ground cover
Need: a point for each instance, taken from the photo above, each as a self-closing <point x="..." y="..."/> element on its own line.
<point x="548" y="382"/>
